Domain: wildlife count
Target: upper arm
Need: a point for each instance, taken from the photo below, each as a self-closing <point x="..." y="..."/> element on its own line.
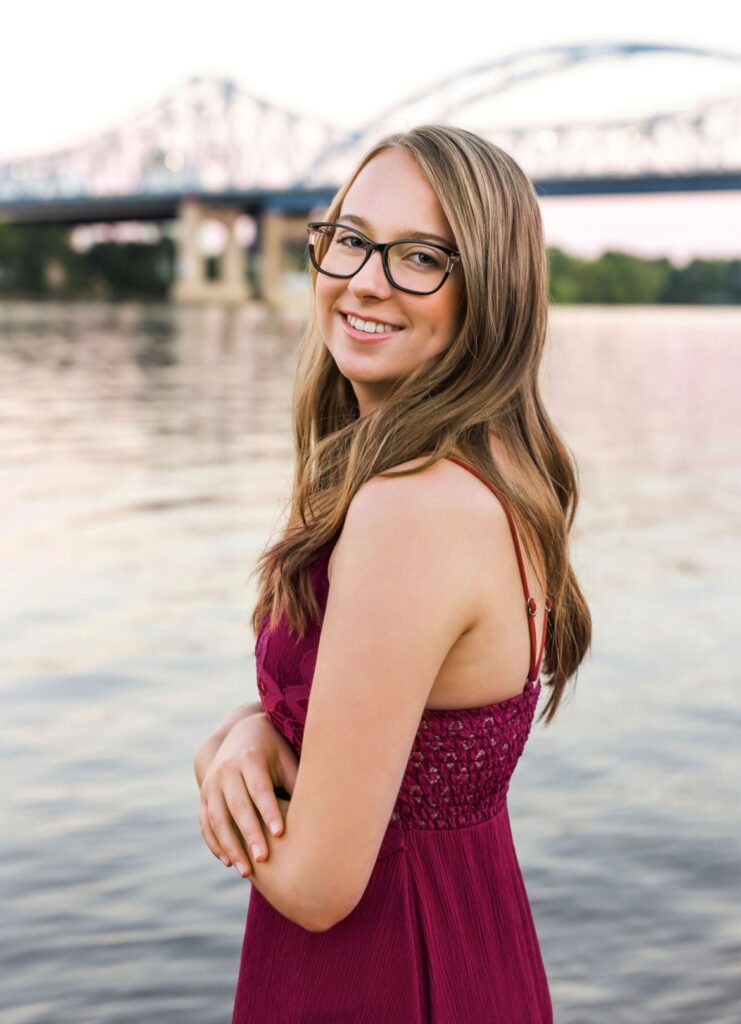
<point x="396" y="605"/>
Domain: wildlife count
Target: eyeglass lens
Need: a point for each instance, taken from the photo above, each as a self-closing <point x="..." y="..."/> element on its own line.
<point x="412" y="265"/>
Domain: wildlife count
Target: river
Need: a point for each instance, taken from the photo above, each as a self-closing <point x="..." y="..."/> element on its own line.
<point x="145" y="454"/>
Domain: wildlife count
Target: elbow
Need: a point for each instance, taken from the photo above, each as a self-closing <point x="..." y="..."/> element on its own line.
<point x="312" y="918"/>
<point x="318" y="917"/>
<point x="316" y="925"/>
<point x="323" y="891"/>
<point x="315" y="922"/>
<point x="317" y="909"/>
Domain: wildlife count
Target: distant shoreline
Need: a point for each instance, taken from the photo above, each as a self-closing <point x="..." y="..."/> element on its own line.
<point x="38" y="262"/>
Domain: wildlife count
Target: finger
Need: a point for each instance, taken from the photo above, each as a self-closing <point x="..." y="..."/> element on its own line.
<point x="239" y="800"/>
<point x="260" y="789"/>
<point x="210" y="838"/>
<point x="226" y="833"/>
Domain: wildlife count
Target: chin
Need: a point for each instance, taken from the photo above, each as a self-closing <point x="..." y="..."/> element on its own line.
<point x="356" y="372"/>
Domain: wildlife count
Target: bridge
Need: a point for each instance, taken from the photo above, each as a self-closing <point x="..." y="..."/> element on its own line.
<point x="210" y="150"/>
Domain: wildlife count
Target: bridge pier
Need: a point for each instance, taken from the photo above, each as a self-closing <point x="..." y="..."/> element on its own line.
<point x="283" y="278"/>
<point x="191" y="284"/>
<point x="281" y="259"/>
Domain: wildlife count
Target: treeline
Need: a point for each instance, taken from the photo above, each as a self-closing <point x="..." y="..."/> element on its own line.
<point x="39" y="262"/>
<point x="616" y="277"/>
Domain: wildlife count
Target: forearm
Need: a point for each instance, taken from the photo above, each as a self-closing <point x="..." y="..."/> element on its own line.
<point x="206" y="751"/>
<point x="277" y="878"/>
<point x="241" y="711"/>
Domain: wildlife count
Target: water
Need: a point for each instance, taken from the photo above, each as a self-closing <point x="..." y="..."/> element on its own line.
<point x="145" y="457"/>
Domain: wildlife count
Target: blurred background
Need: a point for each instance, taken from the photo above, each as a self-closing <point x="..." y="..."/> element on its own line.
<point x="157" y="171"/>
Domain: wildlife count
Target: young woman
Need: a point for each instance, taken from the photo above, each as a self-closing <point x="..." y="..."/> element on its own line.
<point x="404" y="614"/>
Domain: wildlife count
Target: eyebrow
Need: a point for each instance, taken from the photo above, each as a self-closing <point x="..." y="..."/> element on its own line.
<point x="405" y="233"/>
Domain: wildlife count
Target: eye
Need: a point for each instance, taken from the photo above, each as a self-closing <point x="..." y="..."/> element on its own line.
<point x="428" y="259"/>
<point x="351" y="238"/>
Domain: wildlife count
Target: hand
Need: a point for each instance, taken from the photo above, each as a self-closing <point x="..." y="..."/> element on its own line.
<point x="207" y="749"/>
<point x="238" y="785"/>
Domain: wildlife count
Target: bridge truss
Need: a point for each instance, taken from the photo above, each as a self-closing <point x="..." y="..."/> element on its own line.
<point x="212" y="136"/>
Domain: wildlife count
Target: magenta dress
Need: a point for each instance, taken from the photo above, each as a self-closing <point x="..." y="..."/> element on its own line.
<point x="444" y="931"/>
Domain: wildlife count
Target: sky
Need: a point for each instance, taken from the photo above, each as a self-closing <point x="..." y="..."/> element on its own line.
<point x="71" y="70"/>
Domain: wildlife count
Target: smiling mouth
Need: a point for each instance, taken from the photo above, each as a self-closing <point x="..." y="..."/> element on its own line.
<point x="369" y="334"/>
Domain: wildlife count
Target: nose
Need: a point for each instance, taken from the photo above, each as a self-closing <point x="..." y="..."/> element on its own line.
<point x="371" y="279"/>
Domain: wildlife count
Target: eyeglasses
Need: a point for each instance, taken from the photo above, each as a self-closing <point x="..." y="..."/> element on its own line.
<point x="409" y="264"/>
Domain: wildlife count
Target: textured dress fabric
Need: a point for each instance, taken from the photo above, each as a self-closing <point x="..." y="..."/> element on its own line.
<point x="444" y="932"/>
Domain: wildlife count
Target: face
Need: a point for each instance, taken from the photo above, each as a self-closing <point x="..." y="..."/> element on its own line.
<point x="393" y="198"/>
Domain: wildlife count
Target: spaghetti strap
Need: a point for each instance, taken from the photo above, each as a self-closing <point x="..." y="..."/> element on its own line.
<point x="530" y="604"/>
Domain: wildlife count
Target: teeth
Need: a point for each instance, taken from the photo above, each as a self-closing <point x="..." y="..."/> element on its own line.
<point x="371" y="326"/>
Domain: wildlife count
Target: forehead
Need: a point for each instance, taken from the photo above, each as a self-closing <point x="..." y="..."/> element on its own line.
<point x="392" y="194"/>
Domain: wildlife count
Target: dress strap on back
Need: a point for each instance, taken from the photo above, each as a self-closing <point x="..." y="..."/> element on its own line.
<point x="530" y="604"/>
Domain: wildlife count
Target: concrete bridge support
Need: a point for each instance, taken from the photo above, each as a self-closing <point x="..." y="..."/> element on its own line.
<point x="283" y="281"/>
<point x="282" y="242"/>
<point x="192" y="283"/>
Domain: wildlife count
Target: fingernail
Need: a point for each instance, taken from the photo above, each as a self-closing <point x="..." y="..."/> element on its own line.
<point x="225" y="860"/>
<point x="275" y="827"/>
<point x="240" y="867"/>
<point x="256" y="850"/>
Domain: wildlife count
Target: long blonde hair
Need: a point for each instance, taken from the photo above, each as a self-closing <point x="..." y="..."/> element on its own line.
<point x="487" y="379"/>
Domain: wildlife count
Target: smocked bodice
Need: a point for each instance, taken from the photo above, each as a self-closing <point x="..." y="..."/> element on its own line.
<point x="461" y="761"/>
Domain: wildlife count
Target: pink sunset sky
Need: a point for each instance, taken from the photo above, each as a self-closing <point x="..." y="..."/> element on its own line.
<point x="677" y="226"/>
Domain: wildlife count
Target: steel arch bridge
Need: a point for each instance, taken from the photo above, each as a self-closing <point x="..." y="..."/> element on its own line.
<point x="700" y="141"/>
<point x="210" y="137"/>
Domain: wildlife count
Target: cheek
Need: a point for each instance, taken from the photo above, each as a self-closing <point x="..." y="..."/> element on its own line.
<point x="453" y="307"/>
<point x="325" y="296"/>
<point x="441" y="316"/>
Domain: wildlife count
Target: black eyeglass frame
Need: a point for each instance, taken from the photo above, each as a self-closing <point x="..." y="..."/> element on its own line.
<point x="382" y="247"/>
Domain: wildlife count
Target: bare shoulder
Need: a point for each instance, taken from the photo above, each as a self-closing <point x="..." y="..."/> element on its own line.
<point x="444" y="477"/>
<point x="439" y="496"/>
<point x="438" y="514"/>
<point x="404" y="558"/>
